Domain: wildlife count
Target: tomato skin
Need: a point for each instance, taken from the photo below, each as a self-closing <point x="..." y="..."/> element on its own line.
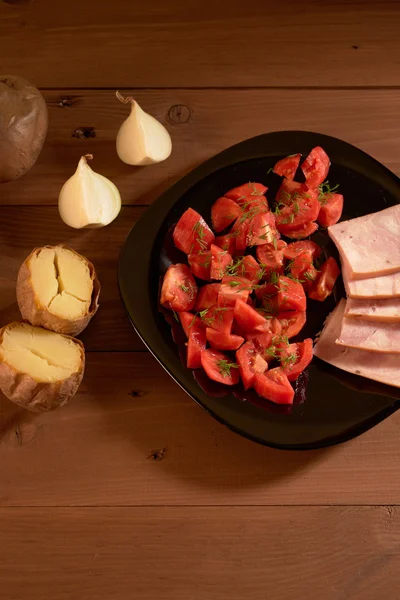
<point x="250" y="363"/>
<point x="291" y="295"/>
<point x="191" y="233"/>
<point x="172" y="294"/>
<point x="295" y="248"/>
<point x="304" y="355"/>
<point x="232" y="288"/>
<point x="292" y="322"/>
<point x="274" y="386"/>
<point x="296" y="215"/>
<point x="197" y="342"/>
<point x="331" y="210"/>
<point x="303" y="232"/>
<point x="247" y="317"/>
<point x="316" y="167"/>
<point x="200" y="264"/>
<point x="209" y="362"/>
<point x="287" y="167"/>
<point x="223" y="341"/>
<point x="226" y="242"/>
<point x="220" y="259"/>
<point x="224" y="212"/>
<point x="323" y="285"/>
<point x="219" y="318"/>
<point x="207" y="296"/>
<point x="257" y="228"/>
<point x="271" y="256"/>
<point x="247" y="189"/>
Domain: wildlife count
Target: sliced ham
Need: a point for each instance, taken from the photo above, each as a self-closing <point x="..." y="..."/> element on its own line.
<point x="370" y="335"/>
<point x="378" y="367"/>
<point x="387" y="310"/>
<point x="370" y="245"/>
<point x="386" y="286"/>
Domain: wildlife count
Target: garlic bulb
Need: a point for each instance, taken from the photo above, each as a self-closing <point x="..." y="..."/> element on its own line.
<point x="142" y="140"/>
<point x="88" y="199"/>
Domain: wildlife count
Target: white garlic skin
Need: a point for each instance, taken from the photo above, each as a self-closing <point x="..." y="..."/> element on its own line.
<point x="87" y="199"/>
<point x="141" y="139"/>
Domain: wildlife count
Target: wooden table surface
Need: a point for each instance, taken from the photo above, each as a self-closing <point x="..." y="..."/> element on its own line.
<point x="131" y="490"/>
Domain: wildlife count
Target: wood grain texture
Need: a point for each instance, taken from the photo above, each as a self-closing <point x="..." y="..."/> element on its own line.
<point x="147" y="553"/>
<point x="202" y="123"/>
<point x="23" y="228"/>
<point x="192" y="44"/>
<point x="132" y="437"/>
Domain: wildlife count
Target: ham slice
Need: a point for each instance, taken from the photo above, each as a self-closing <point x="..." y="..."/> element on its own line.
<point x="371" y="336"/>
<point x="387" y="310"/>
<point x="386" y="286"/>
<point x="369" y="245"/>
<point x="378" y="367"/>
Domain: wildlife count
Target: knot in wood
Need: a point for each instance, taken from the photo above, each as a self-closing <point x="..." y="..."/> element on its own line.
<point x="179" y="113"/>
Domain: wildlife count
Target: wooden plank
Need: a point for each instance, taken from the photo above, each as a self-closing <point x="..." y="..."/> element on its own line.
<point x="191" y="44"/>
<point x="202" y="123"/>
<point x="147" y="553"/>
<point x="133" y="437"/>
<point x="23" y="228"/>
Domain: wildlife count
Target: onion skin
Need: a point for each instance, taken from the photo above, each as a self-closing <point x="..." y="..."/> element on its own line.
<point x="23" y="126"/>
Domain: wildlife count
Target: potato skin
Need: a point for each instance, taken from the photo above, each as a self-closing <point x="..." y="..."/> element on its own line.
<point x="23" y="126"/>
<point x="40" y="316"/>
<point x="37" y="397"/>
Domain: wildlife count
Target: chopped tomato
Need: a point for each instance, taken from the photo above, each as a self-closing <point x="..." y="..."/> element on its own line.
<point x="191" y="233"/>
<point x="287" y="167"/>
<point x="295" y="248"/>
<point x="245" y="190"/>
<point x="219" y="318"/>
<point x="267" y="295"/>
<point x="303" y="232"/>
<point x="291" y="295"/>
<point x="253" y="202"/>
<point x="292" y="322"/>
<point x="232" y="288"/>
<point x="323" y="285"/>
<point x="297" y="214"/>
<point x="197" y="342"/>
<point x="290" y="191"/>
<point x="300" y="267"/>
<point x="247" y="317"/>
<point x="226" y="242"/>
<point x="207" y="296"/>
<point x="223" y="341"/>
<point x="188" y="319"/>
<point x="250" y="363"/>
<point x="220" y="259"/>
<point x="274" y="386"/>
<point x="224" y="212"/>
<point x="200" y="264"/>
<point x="179" y="289"/>
<point x="262" y="229"/>
<point x="331" y="209"/>
<point x="250" y="269"/>
<point x="261" y="339"/>
<point x="296" y="357"/>
<point x="316" y="167"/>
<point x="219" y="367"/>
<point x="271" y="256"/>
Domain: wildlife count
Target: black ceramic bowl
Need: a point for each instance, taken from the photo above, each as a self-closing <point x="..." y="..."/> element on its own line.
<point x="331" y="406"/>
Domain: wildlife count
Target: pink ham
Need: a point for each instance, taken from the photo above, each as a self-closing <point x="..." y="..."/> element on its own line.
<point x="385" y="286"/>
<point x="387" y="310"/>
<point x="378" y="367"/>
<point x="369" y="245"/>
<point x="370" y="335"/>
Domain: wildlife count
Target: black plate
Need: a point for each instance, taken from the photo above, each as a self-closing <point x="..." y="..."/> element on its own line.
<point x="332" y="406"/>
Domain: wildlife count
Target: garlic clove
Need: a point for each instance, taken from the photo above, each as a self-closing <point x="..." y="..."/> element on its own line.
<point x="88" y="199"/>
<point x="141" y="139"/>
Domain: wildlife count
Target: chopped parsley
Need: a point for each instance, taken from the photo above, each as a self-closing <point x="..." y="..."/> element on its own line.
<point x="225" y="367"/>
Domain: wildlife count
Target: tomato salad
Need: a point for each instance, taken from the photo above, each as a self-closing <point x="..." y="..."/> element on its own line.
<point x="240" y="324"/>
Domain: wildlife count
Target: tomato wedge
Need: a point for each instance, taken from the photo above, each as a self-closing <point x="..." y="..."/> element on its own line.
<point x="297" y="214"/>
<point x="246" y="190"/>
<point x="220" y="259"/>
<point x="296" y="357"/>
<point x="247" y="317"/>
<point x="331" y="209"/>
<point x="197" y="342"/>
<point x="250" y="362"/>
<point x="226" y="242"/>
<point x="287" y="167"/>
<point x="302" y="267"/>
<point x="224" y="212"/>
<point x="290" y="191"/>
<point x="292" y="322"/>
<point x="316" y="167"/>
<point x="179" y="288"/>
<point x="223" y="341"/>
<point x="219" y="367"/>
<point x="255" y="227"/>
<point x="295" y="248"/>
<point x="274" y="386"/>
<point x="191" y="233"/>
<point x="219" y="318"/>
<point x="232" y="288"/>
<point x="271" y="256"/>
<point x="303" y="232"/>
<point x="248" y="267"/>
<point x="291" y="295"/>
<point x="188" y="319"/>
<point x="323" y="285"/>
<point x="207" y="296"/>
<point x="200" y="264"/>
<point x="267" y="295"/>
